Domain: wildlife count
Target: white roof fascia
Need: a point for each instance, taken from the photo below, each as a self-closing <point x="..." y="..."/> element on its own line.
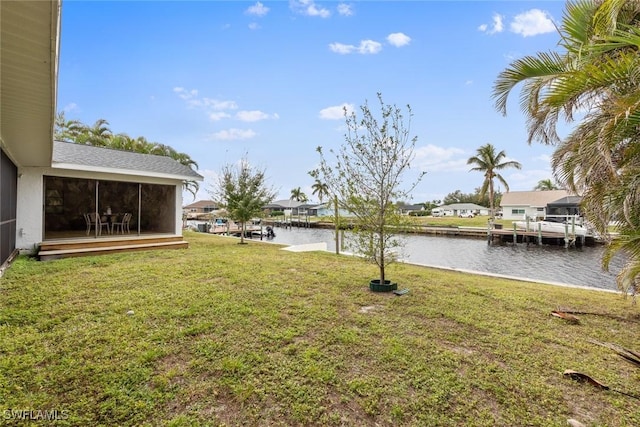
<point x="85" y="168"/>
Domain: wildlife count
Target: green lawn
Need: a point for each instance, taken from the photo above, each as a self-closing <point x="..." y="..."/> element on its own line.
<point x="229" y="334"/>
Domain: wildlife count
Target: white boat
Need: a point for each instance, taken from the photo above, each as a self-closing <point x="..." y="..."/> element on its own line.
<point x="552" y="227"/>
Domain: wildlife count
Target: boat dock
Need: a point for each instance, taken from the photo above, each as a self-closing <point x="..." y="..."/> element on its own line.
<point x="494" y="235"/>
<point x="538" y="237"/>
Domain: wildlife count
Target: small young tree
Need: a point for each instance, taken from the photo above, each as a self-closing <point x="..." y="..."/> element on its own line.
<point x="242" y="189"/>
<point x="367" y="176"/>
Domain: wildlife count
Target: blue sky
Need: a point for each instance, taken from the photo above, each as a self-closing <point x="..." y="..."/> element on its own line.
<point x="221" y="79"/>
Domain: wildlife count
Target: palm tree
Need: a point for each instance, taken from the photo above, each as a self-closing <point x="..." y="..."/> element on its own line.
<point x="545" y="185"/>
<point x="298" y="195"/>
<point x="489" y="162"/>
<point x="67" y="130"/>
<point x="320" y="189"/>
<point x="100" y="135"/>
<point x="594" y="78"/>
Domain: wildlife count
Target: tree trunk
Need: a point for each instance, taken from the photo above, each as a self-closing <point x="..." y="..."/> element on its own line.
<point x="337" y="225"/>
<point x="242" y="229"/>
<point x="491" y="202"/>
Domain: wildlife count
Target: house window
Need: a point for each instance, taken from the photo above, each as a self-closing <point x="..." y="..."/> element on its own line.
<point x="517" y="211"/>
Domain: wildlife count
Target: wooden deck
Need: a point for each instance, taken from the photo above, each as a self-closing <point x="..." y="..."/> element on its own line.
<point x="65" y="248"/>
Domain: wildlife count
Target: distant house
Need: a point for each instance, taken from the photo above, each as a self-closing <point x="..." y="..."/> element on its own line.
<point x="287" y="206"/>
<point x="199" y="208"/>
<point x="457" y="209"/>
<point x="408" y="209"/>
<point x="327" y="209"/>
<point x="538" y="204"/>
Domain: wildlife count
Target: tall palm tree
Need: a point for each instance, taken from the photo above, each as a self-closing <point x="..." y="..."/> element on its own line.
<point x="594" y="78"/>
<point x="320" y="189"/>
<point x="545" y="185"/>
<point x="298" y="195"/>
<point x="489" y="163"/>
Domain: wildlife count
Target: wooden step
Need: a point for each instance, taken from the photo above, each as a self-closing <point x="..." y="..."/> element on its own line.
<point x="57" y="250"/>
<point x="50" y="245"/>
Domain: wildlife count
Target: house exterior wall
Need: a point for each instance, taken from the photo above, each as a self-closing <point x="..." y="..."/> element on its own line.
<point x="30" y="209"/>
<point x="518" y="213"/>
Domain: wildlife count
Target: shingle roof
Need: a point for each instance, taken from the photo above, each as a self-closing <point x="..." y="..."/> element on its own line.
<point x="532" y="198"/>
<point x="202" y="204"/>
<point x="285" y="203"/>
<point x="90" y="158"/>
<point x="462" y="206"/>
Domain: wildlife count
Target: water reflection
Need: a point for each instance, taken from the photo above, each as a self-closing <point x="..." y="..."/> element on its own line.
<point x="575" y="266"/>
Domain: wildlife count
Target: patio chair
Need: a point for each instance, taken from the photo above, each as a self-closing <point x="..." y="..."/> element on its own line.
<point x="122" y="225"/>
<point x="94" y="220"/>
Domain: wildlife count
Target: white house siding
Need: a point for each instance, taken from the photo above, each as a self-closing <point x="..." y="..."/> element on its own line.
<point x="30" y="211"/>
<point x="518" y="212"/>
<point x="29" y="221"/>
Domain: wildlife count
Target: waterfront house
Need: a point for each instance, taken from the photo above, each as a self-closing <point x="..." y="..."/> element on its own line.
<point x="327" y="210"/>
<point x="199" y="208"/>
<point x="411" y="209"/>
<point x="517" y="205"/>
<point x="287" y="207"/>
<point x="459" y="209"/>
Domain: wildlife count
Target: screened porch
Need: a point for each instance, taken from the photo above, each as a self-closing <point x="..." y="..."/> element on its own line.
<point x="69" y="202"/>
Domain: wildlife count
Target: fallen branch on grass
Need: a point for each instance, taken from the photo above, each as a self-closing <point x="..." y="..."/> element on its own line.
<point x="584" y="378"/>
<point x="629" y="355"/>
<point x="566" y="316"/>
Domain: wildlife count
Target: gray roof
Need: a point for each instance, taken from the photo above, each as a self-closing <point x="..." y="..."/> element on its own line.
<point x="462" y="206"/>
<point x="285" y="204"/>
<point x="532" y="198"/>
<point x="86" y="157"/>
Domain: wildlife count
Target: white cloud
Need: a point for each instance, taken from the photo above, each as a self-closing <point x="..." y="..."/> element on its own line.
<point x="366" y="47"/>
<point x="254" y="26"/>
<point x="185" y="94"/>
<point x="336" y="112"/>
<point x="369" y="47"/>
<point x="253" y="116"/>
<point x="70" y="107"/>
<point x="215" y="104"/>
<point x="218" y="110"/>
<point x="398" y="39"/>
<point x="233" y="134"/>
<point x="193" y="101"/>
<point x="532" y="23"/>
<point x="497" y="26"/>
<point x="544" y="158"/>
<point x="258" y="9"/>
<point x="309" y="8"/>
<point x="526" y="180"/>
<point x="345" y="9"/>
<point x="342" y="49"/>
<point x="218" y="115"/>
<point x="433" y="158"/>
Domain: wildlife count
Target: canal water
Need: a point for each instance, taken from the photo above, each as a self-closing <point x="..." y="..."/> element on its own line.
<point x="572" y="266"/>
